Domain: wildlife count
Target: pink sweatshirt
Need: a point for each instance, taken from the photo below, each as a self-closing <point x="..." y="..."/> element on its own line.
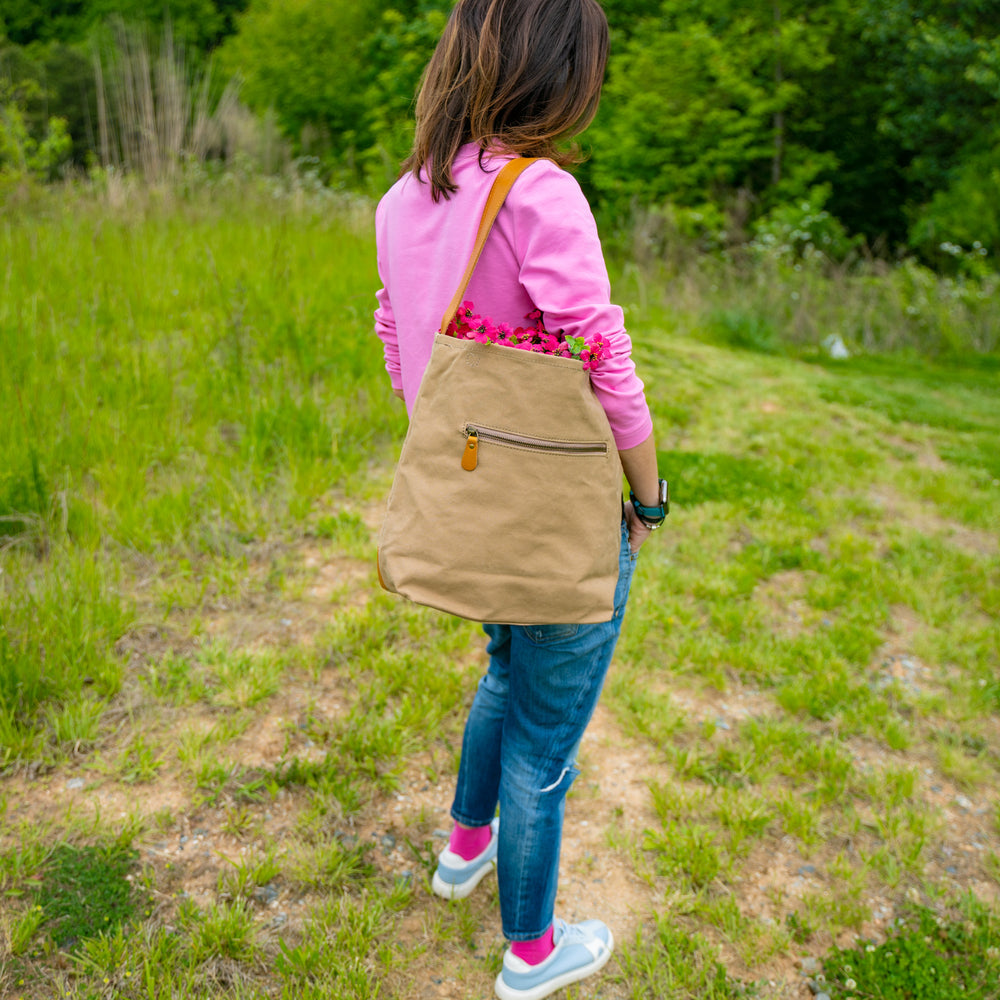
<point x="543" y="253"/>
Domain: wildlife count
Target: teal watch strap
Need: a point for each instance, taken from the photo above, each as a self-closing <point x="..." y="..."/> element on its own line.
<point x="653" y="517"/>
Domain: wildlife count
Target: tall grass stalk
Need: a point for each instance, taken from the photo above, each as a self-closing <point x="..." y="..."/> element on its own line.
<point x="156" y="113"/>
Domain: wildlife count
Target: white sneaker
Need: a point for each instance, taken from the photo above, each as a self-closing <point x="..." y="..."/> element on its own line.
<point x="455" y="877"/>
<point x="580" y="950"/>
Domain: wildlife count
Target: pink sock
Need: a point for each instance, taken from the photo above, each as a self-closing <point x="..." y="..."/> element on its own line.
<point x="534" y="951"/>
<point x="468" y="843"/>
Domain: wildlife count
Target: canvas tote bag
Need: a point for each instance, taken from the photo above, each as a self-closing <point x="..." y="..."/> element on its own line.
<point x="506" y="503"/>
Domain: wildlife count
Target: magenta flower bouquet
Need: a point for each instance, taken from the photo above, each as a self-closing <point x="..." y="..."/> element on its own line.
<point x="467" y="325"/>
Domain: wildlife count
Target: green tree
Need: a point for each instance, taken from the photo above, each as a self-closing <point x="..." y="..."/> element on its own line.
<point x="705" y="103"/>
<point x="625" y="17"/>
<point x="341" y="76"/>
<point x="939" y="64"/>
<point x="910" y="98"/>
<point x="397" y="53"/>
<point x="304" y="59"/>
<point x="27" y="21"/>
<point x="197" y="23"/>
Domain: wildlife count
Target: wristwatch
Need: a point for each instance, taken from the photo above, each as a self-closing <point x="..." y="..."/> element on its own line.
<point x="653" y="517"/>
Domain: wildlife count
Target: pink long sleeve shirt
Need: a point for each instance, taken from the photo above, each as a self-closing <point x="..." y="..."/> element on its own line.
<point x="543" y="253"/>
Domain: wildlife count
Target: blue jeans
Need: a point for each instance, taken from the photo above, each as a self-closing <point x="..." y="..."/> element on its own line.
<point x="520" y="745"/>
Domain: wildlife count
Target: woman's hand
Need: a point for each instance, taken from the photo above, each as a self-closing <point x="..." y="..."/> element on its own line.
<point x="637" y="531"/>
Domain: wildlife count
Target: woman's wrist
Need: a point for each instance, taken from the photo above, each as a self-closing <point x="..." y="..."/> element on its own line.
<point x="649" y="496"/>
<point x="639" y="464"/>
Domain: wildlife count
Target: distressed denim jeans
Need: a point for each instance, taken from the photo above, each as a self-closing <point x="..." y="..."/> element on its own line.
<point x="519" y="749"/>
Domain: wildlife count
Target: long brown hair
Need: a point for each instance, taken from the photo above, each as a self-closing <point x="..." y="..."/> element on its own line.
<point x="518" y="74"/>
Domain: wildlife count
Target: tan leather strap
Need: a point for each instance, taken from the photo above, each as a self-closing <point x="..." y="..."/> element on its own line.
<point x="498" y="195"/>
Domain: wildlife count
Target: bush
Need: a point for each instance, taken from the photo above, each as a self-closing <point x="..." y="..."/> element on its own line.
<point x="960" y="229"/>
<point x="803" y="229"/>
<point x="24" y="156"/>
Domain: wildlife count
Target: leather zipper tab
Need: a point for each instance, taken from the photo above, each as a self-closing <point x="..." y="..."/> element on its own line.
<point x="470" y="457"/>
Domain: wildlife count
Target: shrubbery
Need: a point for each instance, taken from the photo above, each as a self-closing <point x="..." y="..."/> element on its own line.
<point x="795" y="129"/>
<point x="24" y="156"/>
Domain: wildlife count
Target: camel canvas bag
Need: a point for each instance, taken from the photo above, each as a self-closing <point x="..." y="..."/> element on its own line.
<point x="506" y="503"/>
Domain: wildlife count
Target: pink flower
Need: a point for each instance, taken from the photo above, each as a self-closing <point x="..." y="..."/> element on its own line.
<point x="468" y="325"/>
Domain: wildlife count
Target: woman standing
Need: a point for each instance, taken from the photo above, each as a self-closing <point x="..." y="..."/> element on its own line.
<point x="515" y="78"/>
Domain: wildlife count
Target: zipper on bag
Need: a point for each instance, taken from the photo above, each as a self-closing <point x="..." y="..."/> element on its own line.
<point x="475" y="434"/>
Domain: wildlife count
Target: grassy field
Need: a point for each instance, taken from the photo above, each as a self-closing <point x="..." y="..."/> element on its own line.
<point x="226" y="756"/>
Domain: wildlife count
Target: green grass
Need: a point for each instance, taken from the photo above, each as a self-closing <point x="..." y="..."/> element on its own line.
<point x="84" y="891"/>
<point x="199" y="438"/>
<point x="925" y="956"/>
<point x="670" y="962"/>
<point x="204" y="374"/>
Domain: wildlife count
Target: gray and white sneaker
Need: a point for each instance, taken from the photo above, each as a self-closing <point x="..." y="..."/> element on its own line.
<point x="580" y="949"/>
<point x="455" y="877"/>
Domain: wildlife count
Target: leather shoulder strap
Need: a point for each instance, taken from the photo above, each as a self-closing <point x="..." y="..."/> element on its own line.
<point x="497" y="196"/>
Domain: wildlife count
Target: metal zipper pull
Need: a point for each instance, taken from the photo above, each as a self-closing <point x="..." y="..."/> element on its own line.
<point x="524" y="442"/>
<point x="470" y="457"/>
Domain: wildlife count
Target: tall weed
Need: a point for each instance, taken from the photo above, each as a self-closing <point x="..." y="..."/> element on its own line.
<point x="762" y="297"/>
<point x="156" y="112"/>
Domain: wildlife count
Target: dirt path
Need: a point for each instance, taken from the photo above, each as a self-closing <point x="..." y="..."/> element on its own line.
<point x="193" y="856"/>
<point x="192" y="849"/>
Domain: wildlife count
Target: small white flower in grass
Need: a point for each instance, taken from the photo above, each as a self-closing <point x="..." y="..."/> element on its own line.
<point x="850" y="984"/>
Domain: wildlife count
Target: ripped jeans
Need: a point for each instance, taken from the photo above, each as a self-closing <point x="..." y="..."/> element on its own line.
<point x="519" y="749"/>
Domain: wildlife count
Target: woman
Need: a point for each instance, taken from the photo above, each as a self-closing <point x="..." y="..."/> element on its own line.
<point x="515" y="78"/>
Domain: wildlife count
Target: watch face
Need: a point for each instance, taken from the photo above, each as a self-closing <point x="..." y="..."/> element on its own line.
<point x="664" y="492"/>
